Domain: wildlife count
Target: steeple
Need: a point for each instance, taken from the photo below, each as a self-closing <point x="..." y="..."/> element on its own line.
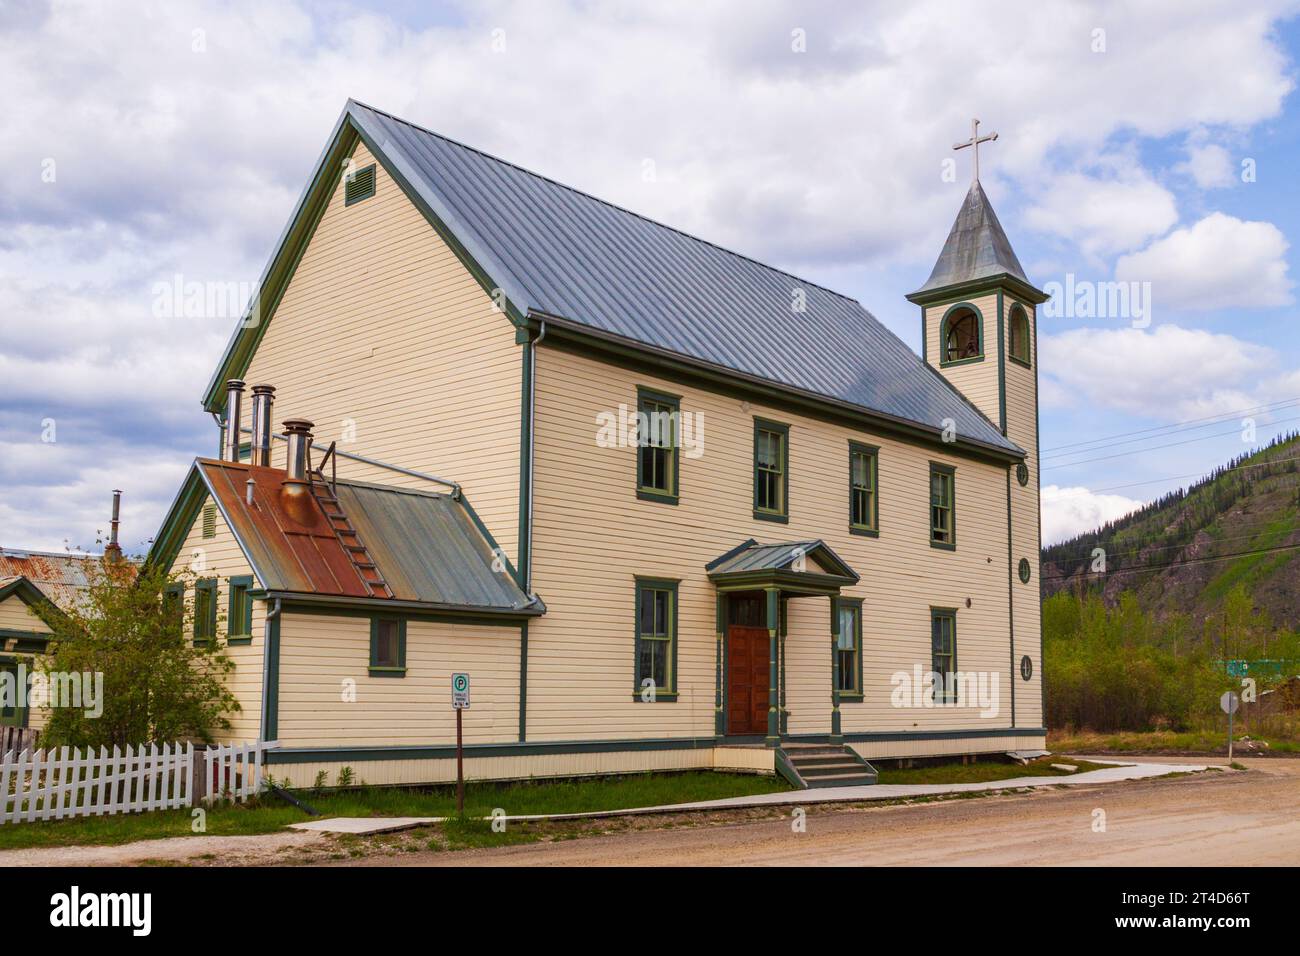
<point x="976" y="249"/>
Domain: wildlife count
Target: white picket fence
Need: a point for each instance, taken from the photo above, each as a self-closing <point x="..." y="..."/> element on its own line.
<point x="234" y="771"/>
<point x="61" y="783"/>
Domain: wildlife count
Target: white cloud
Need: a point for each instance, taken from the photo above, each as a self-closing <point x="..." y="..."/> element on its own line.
<point x="1068" y="512"/>
<point x="1219" y="262"/>
<point x="1168" y="373"/>
<point x="175" y="156"/>
<point x="1104" y="214"/>
<point x="1210" y="166"/>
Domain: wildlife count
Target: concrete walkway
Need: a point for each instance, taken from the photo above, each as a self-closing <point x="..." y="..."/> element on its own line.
<point x="1111" y="774"/>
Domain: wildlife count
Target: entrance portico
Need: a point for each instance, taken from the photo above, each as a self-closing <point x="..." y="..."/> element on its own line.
<point x="754" y="582"/>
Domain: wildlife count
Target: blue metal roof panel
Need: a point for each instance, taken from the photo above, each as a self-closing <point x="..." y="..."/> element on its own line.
<point x="558" y="251"/>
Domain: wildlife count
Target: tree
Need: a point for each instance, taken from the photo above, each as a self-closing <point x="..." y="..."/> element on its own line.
<point x="158" y="685"/>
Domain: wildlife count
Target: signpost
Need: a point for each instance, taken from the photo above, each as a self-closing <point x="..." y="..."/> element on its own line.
<point x="1229" y="702"/>
<point x="460" y="703"/>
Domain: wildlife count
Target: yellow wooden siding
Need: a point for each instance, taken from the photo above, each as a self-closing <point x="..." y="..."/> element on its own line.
<point x="324" y="658"/>
<point x="1022" y="428"/>
<point x="978" y="381"/>
<point x="16" y="616"/>
<point x="592" y="536"/>
<point x="382" y="336"/>
<point x="530" y="766"/>
<point x="220" y="557"/>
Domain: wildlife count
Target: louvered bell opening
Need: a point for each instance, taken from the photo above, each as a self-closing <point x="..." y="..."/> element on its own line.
<point x="361" y="185"/>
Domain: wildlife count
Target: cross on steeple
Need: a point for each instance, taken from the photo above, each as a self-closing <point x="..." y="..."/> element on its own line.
<point x="974" y="143"/>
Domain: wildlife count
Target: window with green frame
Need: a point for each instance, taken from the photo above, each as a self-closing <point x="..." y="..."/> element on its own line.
<point x="943" y="511"/>
<point x="943" y="653"/>
<point x="173" y="599"/>
<point x="387" y="647"/>
<point x="771" y="470"/>
<point x="239" y="615"/>
<point x="658" y="441"/>
<point x="864" y="508"/>
<point x="205" y="610"/>
<point x="11" y="715"/>
<point x="656" y="639"/>
<point x="848" y="646"/>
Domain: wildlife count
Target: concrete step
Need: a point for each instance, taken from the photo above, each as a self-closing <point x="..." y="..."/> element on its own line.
<point x="815" y="760"/>
<point x="830" y="769"/>
<point x="842" y="780"/>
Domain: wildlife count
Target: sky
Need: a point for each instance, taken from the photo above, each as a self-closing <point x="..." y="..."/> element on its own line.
<point x="1149" y="148"/>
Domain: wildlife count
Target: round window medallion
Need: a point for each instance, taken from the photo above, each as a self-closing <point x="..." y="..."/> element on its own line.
<point x="1022" y="473"/>
<point x="1026" y="667"/>
<point x="1024" y="570"/>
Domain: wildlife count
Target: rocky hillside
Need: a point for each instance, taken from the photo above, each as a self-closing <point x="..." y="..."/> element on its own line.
<point x="1184" y="552"/>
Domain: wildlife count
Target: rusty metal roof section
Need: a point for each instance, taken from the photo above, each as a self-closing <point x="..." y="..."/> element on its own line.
<point x="63" y="578"/>
<point x="428" y="547"/>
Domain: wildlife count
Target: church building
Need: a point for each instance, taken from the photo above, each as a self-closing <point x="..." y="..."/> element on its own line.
<point x="668" y="507"/>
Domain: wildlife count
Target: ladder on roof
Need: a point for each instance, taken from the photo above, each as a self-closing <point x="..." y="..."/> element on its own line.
<point x="325" y="492"/>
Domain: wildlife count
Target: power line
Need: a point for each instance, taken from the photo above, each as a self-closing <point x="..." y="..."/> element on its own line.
<point x="1172" y="444"/>
<point x="1087" y="551"/>
<point x="1177" y="564"/>
<point x="1212" y="419"/>
<point x="1194" y="474"/>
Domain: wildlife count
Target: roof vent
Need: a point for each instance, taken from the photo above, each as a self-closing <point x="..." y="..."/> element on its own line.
<point x="359" y="185"/>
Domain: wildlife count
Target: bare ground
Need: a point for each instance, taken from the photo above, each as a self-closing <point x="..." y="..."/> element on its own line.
<point x="1227" y="818"/>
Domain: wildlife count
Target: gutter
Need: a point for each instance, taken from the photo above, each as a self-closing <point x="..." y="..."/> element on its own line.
<point x="271" y="670"/>
<point x="532" y="457"/>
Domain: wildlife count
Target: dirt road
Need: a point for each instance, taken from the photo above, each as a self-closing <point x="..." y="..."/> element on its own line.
<point x="1214" y="818"/>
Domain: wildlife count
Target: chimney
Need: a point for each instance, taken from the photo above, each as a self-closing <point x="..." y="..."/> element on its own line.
<point x="114" y="550"/>
<point x="234" y="416"/>
<point x="295" y="492"/>
<point x="263" y="399"/>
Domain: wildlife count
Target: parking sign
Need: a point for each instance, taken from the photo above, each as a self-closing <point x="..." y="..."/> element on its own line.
<point x="460" y="691"/>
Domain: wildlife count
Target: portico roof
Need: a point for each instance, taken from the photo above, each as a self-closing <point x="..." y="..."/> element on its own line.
<point x="808" y="567"/>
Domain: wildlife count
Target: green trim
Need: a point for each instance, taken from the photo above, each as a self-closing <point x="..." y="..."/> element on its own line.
<point x="938" y="467"/>
<point x="646" y="396"/>
<point x="41" y="607"/>
<point x="641" y="358"/>
<point x="949" y="614"/>
<point x="944" y="362"/>
<point x="297" y="237"/>
<point x="871" y="530"/>
<point x="837" y="604"/>
<point x="330" y="605"/>
<point x="20" y="716"/>
<point x="772" y="604"/>
<point x="526" y="412"/>
<point x="720" y="631"/>
<point x="523" y="681"/>
<point x="643" y="584"/>
<point x="796" y="582"/>
<point x="301" y="755"/>
<point x="359" y="186"/>
<point x="1017" y="307"/>
<point x="1002" y="369"/>
<point x="387" y="670"/>
<point x="781" y="515"/>
<point x="496" y="549"/>
<point x="271" y="678"/>
<point x="977" y="287"/>
<point x="210" y="625"/>
<point x="1011" y="605"/>
<point x="783" y="615"/>
<point x="1022" y="474"/>
<point x="241" y="584"/>
<point x="1023" y="571"/>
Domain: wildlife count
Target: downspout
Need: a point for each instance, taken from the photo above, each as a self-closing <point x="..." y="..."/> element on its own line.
<point x="532" y="457"/>
<point x="271" y="673"/>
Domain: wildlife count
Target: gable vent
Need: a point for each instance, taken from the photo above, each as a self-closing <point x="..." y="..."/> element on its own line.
<point x="209" y="520"/>
<point x="360" y="186"/>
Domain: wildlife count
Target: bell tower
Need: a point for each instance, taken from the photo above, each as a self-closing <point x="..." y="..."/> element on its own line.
<point x="979" y="331"/>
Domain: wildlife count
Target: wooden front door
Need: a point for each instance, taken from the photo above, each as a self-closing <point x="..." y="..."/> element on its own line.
<point x="747" y="677"/>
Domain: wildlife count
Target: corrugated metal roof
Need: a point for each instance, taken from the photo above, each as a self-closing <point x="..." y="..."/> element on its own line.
<point x="753" y="556"/>
<point x="560" y="252"/>
<point x="976" y="247"/>
<point x="62" y="578"/>
<point x="427" y="546"/>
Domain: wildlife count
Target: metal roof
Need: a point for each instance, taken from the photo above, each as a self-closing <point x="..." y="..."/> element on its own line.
<point x="558" y="252"/>
<point x="753" y="556"/>
<point x="427" y="546"/>
<point x="976" y="247"/>
<point x="63" y="578"/>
